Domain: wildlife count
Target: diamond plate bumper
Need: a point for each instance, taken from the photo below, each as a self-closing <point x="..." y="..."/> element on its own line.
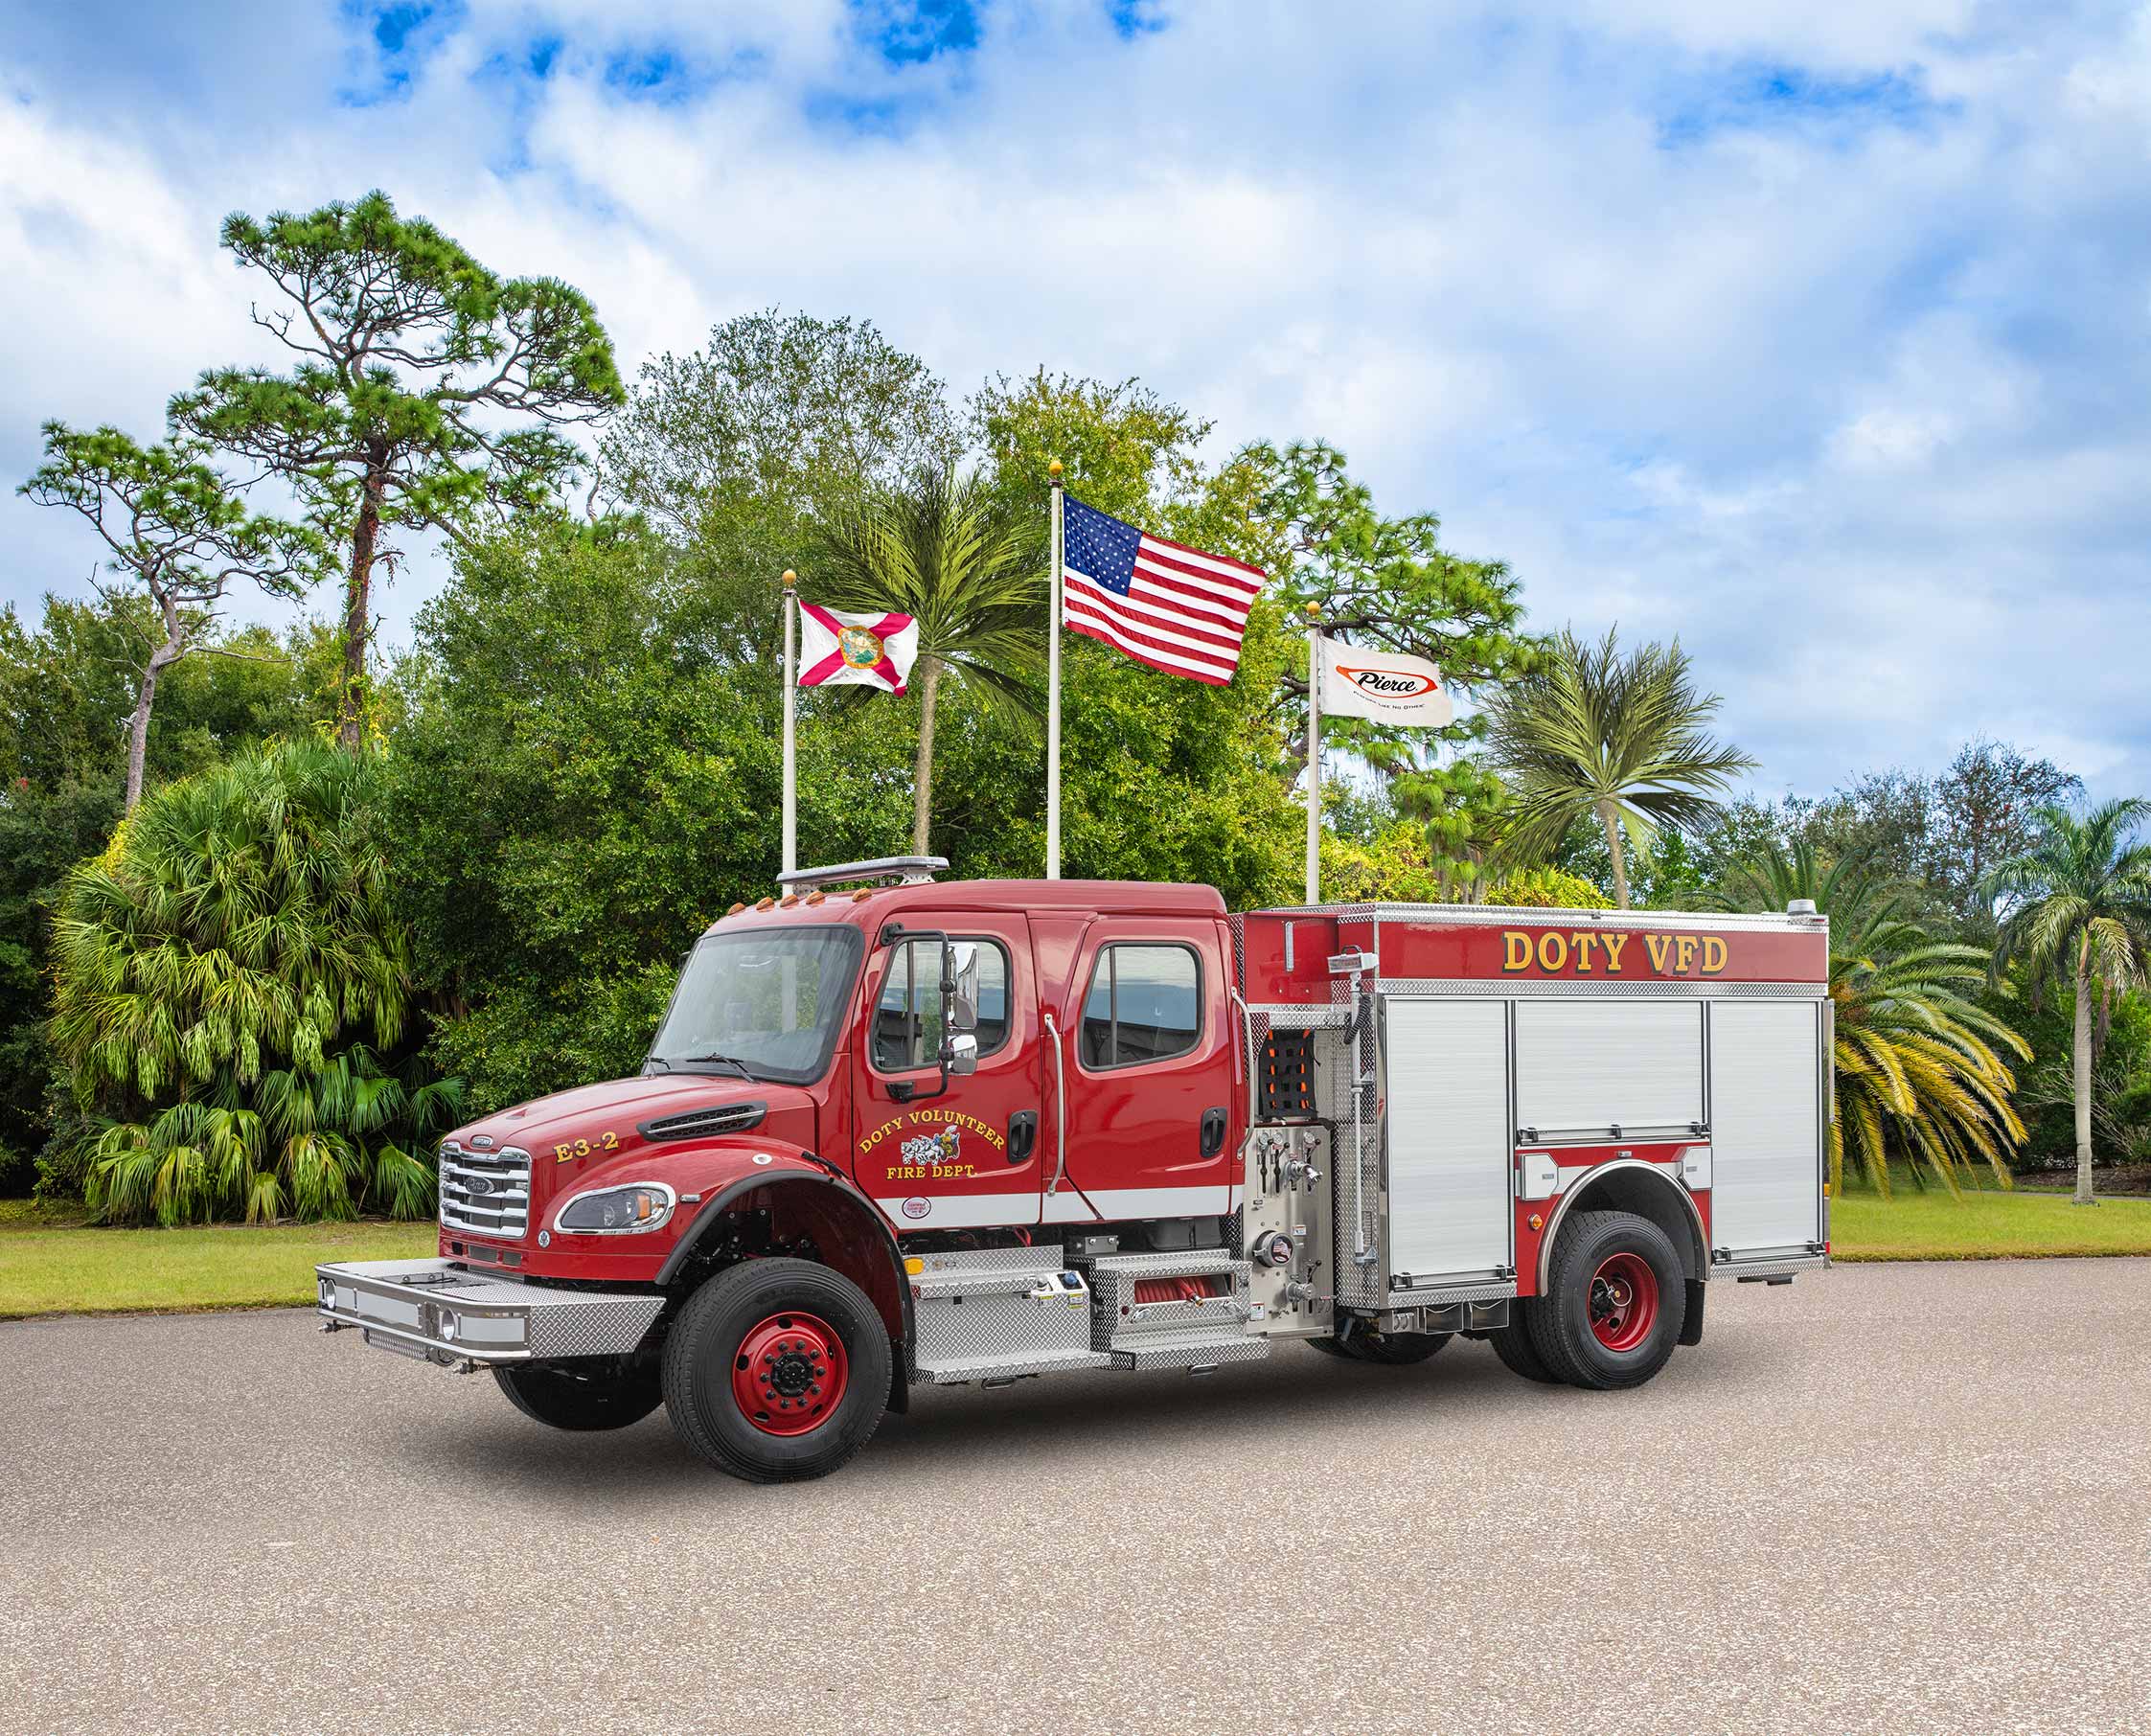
<point x="456" y="1318"/>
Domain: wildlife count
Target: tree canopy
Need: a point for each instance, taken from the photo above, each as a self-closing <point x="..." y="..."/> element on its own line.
<point x="173" y="526"/>
<point x="426" y="388"/>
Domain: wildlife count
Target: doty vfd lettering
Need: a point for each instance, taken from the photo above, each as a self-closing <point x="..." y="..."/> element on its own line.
<point x="1588" y="952"/>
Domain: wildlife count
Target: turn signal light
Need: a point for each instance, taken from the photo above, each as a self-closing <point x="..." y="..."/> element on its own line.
<point x="914" y="1265"/>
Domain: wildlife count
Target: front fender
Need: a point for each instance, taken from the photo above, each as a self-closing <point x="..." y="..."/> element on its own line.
<point x="716" y="1181"/>
<point x="700" y="1175"/>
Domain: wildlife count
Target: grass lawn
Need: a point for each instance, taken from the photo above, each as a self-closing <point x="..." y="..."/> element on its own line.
<point x="1985" y="1224"/>
<point x="50" y="1265"/>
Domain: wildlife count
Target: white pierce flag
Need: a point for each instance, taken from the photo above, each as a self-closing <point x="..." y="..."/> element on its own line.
<point x="1384" y="687"/>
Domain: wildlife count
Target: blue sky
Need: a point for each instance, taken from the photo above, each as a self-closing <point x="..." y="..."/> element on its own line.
<point x="1818" y="336"/>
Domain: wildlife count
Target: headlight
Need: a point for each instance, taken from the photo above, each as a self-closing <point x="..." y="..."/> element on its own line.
<point x="617" y="1211"/>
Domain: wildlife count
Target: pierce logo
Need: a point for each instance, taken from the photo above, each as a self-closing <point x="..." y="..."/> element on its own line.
<point x="1389" y="683"/>
<point x="915" y="1207"/>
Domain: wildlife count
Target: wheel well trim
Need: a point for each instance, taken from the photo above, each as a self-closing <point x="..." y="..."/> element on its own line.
<point x="714" y="1211"/>
<point x="1569" y="1195"/>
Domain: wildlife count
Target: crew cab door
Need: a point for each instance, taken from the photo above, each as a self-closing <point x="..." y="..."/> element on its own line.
<point x="1148" y="1049"/>
<point x="967" y="1156"/>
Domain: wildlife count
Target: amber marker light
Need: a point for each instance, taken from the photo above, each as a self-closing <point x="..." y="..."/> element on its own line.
<point x="914" y="1265"/>
<point x="1536" y="1221"/>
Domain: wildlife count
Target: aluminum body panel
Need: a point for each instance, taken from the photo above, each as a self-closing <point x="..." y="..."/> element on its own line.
<point x="977" y="1315"/>
<point x="1767" y="1133"/>
<point x="455" y="1318"/>
<point x="1767" y="1266"/>
<point x="1447" y="1140"/>
<point x="1123" y="1322"/>
<point x="1584" y="1067"/>
<point x="1465" y="988"/>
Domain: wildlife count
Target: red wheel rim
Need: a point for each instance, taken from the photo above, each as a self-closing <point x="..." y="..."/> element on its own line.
<point x="788" y="1374"/>
<point x="1624" y="1301"/>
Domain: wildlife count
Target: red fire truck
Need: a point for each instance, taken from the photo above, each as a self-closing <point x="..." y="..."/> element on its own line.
<point x="896" y="1131"/>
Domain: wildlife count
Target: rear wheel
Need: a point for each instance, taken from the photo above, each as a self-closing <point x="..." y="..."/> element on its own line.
<point x="777" y="1370"/>
<point x="1614" y="1303"/>
<point x="1512" y="1343"/>
<point x="601" y="1393"/>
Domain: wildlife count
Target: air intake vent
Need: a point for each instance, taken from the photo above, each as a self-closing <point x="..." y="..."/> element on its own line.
<point x="702" y="1124"/>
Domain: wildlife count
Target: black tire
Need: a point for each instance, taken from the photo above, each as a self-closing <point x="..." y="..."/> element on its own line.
<point x="1561" y="1321"/>
<point x="1512" y="1343"/>
<point x="704" y="1349"/>
<point x="1396" y="1349"/>
<point x="1393" y="1349"/>
<point x="584" y="1395"/>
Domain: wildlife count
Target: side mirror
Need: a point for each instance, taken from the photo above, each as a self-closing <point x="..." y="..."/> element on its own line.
<point x="959" y="1055"/>
<point x="959" y="988"/>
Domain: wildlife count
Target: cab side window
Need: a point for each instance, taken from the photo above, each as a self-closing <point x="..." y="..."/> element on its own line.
<point x="908" y="1015"/>
<point x="1145" y="1004"/>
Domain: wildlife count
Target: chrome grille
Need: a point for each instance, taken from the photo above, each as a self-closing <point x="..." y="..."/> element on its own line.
<point x="485" y="1193"/>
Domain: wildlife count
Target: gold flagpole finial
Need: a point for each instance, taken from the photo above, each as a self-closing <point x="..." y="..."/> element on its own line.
<point x="1053" y="468"/>
<point x="790" y="577"/>
<point x="1314" y="611"/>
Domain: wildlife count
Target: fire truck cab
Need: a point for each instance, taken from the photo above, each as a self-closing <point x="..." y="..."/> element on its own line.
<point x="896" y="1131"/>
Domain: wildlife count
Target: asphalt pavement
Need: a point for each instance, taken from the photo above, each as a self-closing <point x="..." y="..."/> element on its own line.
<point x="1888" y="1498"/>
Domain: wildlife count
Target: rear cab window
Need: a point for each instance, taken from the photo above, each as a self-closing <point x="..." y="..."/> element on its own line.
<point x="1144" y="1004"/>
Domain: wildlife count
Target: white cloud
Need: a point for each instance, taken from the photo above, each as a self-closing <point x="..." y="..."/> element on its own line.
<point x="1814" y="334"/>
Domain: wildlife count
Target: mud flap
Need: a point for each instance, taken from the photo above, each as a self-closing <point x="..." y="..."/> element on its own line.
<point x="1691" y="1328"/>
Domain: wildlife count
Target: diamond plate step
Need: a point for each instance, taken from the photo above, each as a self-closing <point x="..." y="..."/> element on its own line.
<point x="1205" y="1350"/>
<point x="1008" y="1367"/>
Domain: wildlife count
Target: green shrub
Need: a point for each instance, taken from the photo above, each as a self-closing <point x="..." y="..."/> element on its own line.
<point x="218" y="972"/>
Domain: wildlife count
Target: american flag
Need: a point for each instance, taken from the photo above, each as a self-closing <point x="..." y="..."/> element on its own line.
<point x="1163" y="604"/>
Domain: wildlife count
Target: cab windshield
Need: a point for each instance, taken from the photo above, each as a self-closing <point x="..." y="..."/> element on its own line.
<point x="760" y="1003"/>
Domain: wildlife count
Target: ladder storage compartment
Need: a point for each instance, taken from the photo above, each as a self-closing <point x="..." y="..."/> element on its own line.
<point x="1173" y="1309"/>
<point x="995" y="1313"/>
<point x="1766" y="1098"/>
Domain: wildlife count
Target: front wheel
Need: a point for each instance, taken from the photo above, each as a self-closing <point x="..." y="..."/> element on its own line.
<point x="777" y="1370"/>
<point x="601" y="1393"/>
<point x="1614" y="1303"/>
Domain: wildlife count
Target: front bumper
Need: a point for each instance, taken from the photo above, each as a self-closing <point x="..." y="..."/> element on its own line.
<point x="447" y="1314"/>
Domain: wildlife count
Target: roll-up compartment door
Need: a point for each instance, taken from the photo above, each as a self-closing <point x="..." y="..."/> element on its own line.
<point x="1448" y="1146"/>
<point x="1766" y="1129"/>
<point x="1584" y="1067"/>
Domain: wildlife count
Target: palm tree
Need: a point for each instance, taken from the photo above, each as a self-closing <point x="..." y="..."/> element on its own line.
<point x="1915" y="1059"/>
<point x="214" y="972"/>
<point x="2079" y="908"/>
<point x="944" y="551"/>
<point x="1623" y="738"/>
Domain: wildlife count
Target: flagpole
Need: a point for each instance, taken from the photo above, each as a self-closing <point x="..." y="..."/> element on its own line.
<point x="1053" y="692"/>
<point x="791" y="709"/>
<point x="1314" y="753"/>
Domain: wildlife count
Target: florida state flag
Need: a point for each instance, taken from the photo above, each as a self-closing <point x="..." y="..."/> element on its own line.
<point x="838" y="648"/>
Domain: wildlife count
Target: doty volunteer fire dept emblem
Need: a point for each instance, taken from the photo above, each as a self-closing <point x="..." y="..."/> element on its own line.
<point x="931" y="1148"/>
<point x="859" y="646"/>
